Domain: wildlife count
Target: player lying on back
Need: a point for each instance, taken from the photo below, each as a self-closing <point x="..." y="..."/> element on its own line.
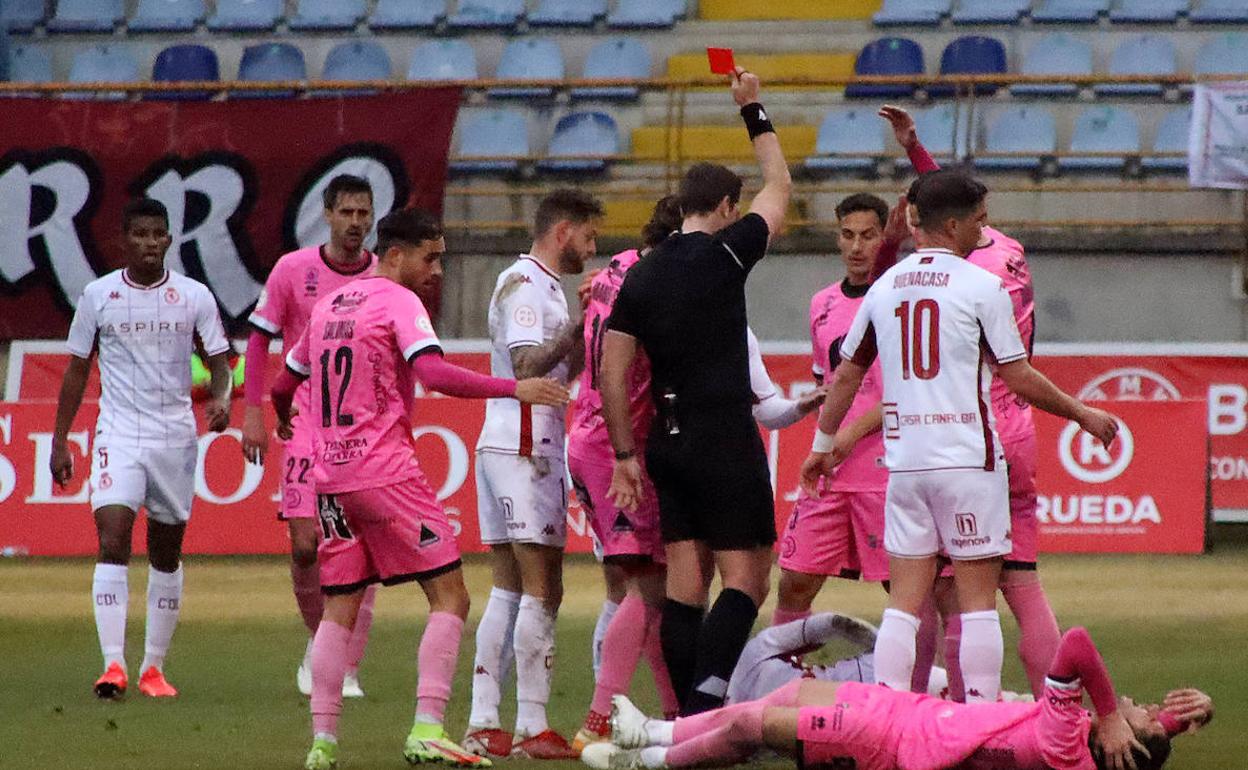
<point x="869" y="727"/>
<point x="364" y="347"/>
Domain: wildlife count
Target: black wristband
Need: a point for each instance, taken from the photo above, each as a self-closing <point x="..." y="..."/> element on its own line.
<point x="756" y="120"/>
<point x="627" y="454"/>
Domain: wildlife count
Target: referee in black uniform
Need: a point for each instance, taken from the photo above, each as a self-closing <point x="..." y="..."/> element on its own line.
<point x="685" y="305"/>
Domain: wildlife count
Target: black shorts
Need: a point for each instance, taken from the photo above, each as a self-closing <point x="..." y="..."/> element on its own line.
<point x="713" y="482"/>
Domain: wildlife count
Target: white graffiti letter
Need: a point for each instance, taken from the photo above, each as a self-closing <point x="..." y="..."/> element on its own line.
<point x="70" y="187"/>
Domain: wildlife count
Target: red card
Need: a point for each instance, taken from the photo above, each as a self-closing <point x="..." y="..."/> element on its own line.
<point x="721" y="60"/>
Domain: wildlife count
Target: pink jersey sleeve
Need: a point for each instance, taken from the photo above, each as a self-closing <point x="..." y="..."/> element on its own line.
<point x="270" y="313"/>
<point x="921" y="159"/>
<point x="413" y="329"/>
<point x="1063" y="727"/>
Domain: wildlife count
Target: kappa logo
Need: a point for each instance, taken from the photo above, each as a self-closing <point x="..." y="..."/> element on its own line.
<point x="428" y="537"/>
<point x="172" y="296"/>
<point x="967" y="526"/>
<point x="114" y="295"/>
<point x="548" y="530"/>
<point x="481" y="671"/>
<point x="622" y="524"/>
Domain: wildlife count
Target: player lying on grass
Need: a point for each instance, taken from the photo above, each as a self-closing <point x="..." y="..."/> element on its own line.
<point x="870" y="727"/>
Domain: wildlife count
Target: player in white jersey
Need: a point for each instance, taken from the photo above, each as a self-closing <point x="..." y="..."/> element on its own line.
<point x="937" y="323"/>
<point x="521" y="492"/>
<point x="142" y="319"/>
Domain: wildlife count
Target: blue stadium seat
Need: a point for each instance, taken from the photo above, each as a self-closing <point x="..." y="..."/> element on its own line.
<point x="30" y="64"/>
<point x="492" y="141"/>
<point x="1055" y="54"/>
<point x="568" y="13"/>
<point x="246" y="15"/>
<point x="1069" y="11"/>
<point x="327" y="15"/>
<point x="848" y="140"/>
<point x="271" y="62"/>
<point x="971" y="55"/>
<point x="1143" y="55"/>
<point x="1171" y="139"/>
<point x="1225" y="54"/>
<point x="1016" y="130"/>
<point x="443" y="60"/>
<point x="357" y="60"/>
<point x="887" y="56"/>
<point x="1219" y="12"/>
<point x="167" y="16"/>
<point x="486" y="14"/>
<point x="407" y="14"/>
<point x="185" y="62"/>
<point x="87" y="15"/>
<point x="990" y="11"/>
<point x="582" y="142"/>
<point x="618" y="57"/>
<point x="1110" y="130"/>
<point x="1148" y="11"/>
<point x="102" y="64"/>
<point x="896" y="13"/>
<point x="646" y="14"/>
<point x="945" y="130"/>
<point x="530" y="58"/>
<point x="23" y="15"/>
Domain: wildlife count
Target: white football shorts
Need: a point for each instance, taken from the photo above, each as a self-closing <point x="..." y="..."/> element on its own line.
<point x="522" y="499"/>
<point x="962" y="513"/>
<point x="162" y="481"/>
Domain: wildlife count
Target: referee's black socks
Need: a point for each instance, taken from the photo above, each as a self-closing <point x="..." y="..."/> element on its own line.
<point x="681" y="625"/>
<point x="723" y="636"/>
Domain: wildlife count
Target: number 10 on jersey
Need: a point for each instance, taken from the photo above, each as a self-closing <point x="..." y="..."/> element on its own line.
<point x="920" y="338"/>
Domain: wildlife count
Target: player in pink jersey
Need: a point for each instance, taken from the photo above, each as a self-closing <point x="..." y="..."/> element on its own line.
<point x="1020" y="581"/>
<point x="853" y="725"/>
<point x="364" y="347"/>
<point x="298" y="280"/>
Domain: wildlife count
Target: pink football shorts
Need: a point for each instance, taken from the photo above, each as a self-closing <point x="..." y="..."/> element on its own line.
<point x="298" y="495"/>
<point x="839" y="534"/>
<point x="622" y="533"/>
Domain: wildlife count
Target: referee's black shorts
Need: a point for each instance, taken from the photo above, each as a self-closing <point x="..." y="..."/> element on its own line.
<point x="713" y="481"/>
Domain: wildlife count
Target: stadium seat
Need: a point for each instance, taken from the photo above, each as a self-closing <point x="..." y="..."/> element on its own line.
<point x="1056" y="54"/>
<point x="23" y="15"/>
<point x="1170" y="144"/>
<point x="87" y="15"/>
<point x="718" y="143"/>
<point x="645" y="14"/>
<point x="568" y="13"/>
<point x="1109" y="130"/>
<point x="357" y="60"/>
<point x="848" y="140"/>
<point x="1219" y="12"/>
<point x="945" y="130"/>
<point x="30" y="64"/>
<point x="102" y="64"/>
<point x="1069" y="11"/>
<point x="990" y="11"/>
<point x="1027" y="133"/>
<point x="443" y="60"/>
<point x="167" y="16"/>
<point x="971" y="55"/>
<point x="327" y="15"/>
<point x="618" y="57"/>
<point x="271" y="62"/>
<point x="887" y="56"/>
<point x="911" y="13"/>
<point x="184" y="62"/>
<point x="486" y="14"/>
<point x="246" y="15"/>
<point x="1143" y="55"/>
<point x="1225" y="54"/>
<point x="582" y="142"/>
<point x="1148" y="11"/>
<point x="407" y="14"/>
<point x="530" y="58"/>
<point x="492" y="141"/>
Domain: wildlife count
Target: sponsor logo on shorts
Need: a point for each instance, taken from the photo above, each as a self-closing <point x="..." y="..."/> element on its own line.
<point x="622" y="524"/>
<point x="970" y="542"/>
<point x="788" y="548"/>
<point x="508" y="507"/>
<point x="428" y="537"/>
<point x="967" y="526"/>
<point x="293" y="498"/>
<point x="548" y="530"/>
<point x="106" y="481"/>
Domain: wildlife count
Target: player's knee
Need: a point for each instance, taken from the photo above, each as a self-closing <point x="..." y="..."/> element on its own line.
<point x="454" y="602"/>
<point x="798" y="589"/>
<point x="164" y="562"/>
<point x="114" y="549"/>
<point x="302" y="552"/>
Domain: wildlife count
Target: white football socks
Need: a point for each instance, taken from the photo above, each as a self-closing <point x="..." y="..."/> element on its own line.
<point x="110" y="593"/>
<point x="535" y="654"/>
<point x="600" y="631"/>
<point x="164" y="602"/>
<point x="493" y="656"/>
<point x="895" y="649"/>
<point x="981" y="654"/>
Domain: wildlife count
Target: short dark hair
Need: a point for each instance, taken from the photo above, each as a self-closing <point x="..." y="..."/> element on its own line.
<point x="143" y="207"/>
<point x="863" y="202"/>
<point x="565" y="204"/>
<point x="407" y="227"/>
<point x="345" y="184"/>
<point x="705" y="185"/>
<point x="663" y="222"/>
<point x="943" y="194"/>
<point x="1157" y="746"/>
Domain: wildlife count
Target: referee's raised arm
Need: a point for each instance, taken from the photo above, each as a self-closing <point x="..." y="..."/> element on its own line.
<point x="772" y="201"/>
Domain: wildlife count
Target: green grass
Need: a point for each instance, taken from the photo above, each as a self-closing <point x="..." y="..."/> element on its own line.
<point x="1160" y="621"/>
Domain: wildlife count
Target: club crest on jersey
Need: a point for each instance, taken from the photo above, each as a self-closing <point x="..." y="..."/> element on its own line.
<point x="172" y="296"/>
<point x="424" y="324"/>
<point x="311" y="280"/>
<point x="348" y="302"/>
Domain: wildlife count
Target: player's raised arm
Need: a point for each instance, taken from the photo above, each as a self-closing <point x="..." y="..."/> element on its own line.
<point x="772" y="201"/>
<point x="1079" y="661"/>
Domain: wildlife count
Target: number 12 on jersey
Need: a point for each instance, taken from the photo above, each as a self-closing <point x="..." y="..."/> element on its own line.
<point x="920" y="338"/>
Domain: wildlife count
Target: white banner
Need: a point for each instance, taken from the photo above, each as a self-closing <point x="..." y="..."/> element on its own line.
<point x="1217" y="148"/>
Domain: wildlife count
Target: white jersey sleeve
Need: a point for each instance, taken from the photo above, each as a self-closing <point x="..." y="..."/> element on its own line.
<point x="1000" y="330"/>
<point x="208" y="321"/>
<point x="83" y="328"/>
<point x="521" y="312"/>
<point x="772" y="410"/>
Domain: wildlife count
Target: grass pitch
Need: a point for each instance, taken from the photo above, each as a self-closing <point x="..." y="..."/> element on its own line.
<point x="1160" y="621"/>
